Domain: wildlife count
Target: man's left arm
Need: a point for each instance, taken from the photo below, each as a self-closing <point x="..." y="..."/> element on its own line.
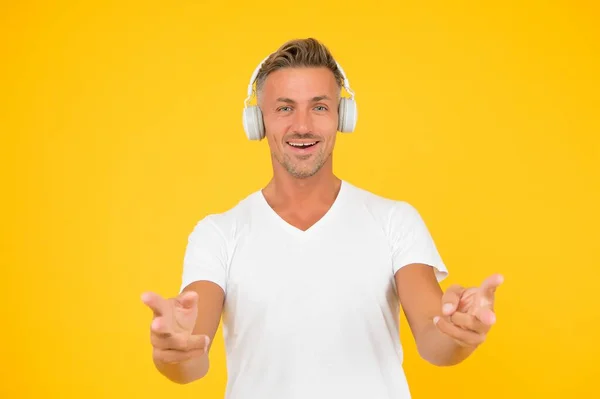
<point x="449" y="326"/>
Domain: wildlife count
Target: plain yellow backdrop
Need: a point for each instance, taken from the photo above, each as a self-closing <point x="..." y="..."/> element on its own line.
<point x="121" y="127"/>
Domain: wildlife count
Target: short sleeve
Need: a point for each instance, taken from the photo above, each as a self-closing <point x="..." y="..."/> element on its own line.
<point x="412" y="242"/>
<point x="205" y="255"/>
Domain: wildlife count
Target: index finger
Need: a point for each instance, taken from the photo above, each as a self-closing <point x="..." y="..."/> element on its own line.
<point x="155" y="302"/>
<point x="491" y="283"/>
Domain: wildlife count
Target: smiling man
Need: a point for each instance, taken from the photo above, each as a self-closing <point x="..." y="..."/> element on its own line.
<point x="310" y="272"/>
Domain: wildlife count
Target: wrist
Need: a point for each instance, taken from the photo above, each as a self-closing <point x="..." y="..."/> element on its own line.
<point x="441" y="349"/>
<point x="184" y="371"/>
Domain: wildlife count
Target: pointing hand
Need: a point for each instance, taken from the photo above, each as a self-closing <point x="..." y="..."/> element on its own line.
<point x="171" y="331"/>
<point x="468" y="313"/>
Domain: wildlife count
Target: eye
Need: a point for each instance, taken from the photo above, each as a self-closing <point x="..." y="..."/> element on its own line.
<point x="284" y="108"/>
<point x="321" y="108"/>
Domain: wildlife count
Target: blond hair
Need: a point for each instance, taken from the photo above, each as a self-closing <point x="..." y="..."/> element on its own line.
<point x="299" y="53"/>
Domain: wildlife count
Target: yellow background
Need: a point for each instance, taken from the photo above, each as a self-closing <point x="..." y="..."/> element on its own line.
<point x="121" y="127"/>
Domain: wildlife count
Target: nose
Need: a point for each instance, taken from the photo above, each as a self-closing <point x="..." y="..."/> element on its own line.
<point x="302" y="122"/>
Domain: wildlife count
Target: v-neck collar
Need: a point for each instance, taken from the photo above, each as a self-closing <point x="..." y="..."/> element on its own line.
<point x="318" y="225"/>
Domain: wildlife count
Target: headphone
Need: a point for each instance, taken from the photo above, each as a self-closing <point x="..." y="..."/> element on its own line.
<point x="253" y="120"/>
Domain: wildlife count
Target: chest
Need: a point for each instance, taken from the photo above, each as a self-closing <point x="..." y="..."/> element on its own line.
<point x="301" y="219"/>
<point x="273" y="276"/>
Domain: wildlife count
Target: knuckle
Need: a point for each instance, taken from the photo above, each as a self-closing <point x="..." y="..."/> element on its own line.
<point x="454" y="318"/>
<point x="475" y="339"/>
<point x="444" y="326"/>
<point x="480" y="327"/>
<point x="173" y="357"/>
<point x="157" y="342"/>
<point x="481" y="338"/>
<point x="180" y="342"/>
<point x="461" y="335"/>
<point x="464" y="336"/>
<point x="165" y="356"/>
<point x="470" y="323"/>
<point x="460" y="320"/>
<point x="158" y="354"/>
<point x="161" y="330"/>
<point x="166" y="341"/>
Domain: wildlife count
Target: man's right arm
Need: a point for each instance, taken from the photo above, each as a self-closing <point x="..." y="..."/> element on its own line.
<point x="210" y="307"/>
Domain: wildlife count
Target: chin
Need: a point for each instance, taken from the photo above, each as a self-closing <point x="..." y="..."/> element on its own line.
<point x="301" y="175"/>
<point x="303" y="171"/>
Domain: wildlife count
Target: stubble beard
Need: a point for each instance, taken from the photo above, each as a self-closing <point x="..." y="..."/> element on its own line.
<point x="299" y="168"/>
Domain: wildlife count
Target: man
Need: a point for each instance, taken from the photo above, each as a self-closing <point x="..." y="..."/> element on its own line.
<point x="310" y="273"/>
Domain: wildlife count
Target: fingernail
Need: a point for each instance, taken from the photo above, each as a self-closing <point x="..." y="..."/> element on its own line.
<point x="447" y="308"/>
<point x="207" y="341"/>
<point x="436" y="319"/>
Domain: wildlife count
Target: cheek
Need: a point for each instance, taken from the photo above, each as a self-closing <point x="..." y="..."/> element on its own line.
<point x="333" y="121"/>
<point x="274" y="128"/>
<point x="331" y="141"/>
<point x="279" y="126"/>
<point x="274" y="141"/>
<point x="325" y="125"/>
<point x="328" y="127"/>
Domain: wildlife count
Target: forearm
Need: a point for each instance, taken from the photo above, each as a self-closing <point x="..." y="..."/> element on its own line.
<point x="186" y="371"/>
<point x="439" y="349"/>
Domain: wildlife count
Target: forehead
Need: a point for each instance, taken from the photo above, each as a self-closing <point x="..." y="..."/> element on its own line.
<point x="300" y="83"/>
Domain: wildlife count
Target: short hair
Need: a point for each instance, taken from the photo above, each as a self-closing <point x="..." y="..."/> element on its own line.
<point x="299" y="53"/>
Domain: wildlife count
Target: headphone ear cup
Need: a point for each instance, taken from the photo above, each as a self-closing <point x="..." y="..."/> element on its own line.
<point x="253" y="123"/>
<point x="347" y="115"/>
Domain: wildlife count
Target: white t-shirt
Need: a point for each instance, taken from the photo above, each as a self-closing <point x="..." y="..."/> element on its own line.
<point x="312" y="314"/>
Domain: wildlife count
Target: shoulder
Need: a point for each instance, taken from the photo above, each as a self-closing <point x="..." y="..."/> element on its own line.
<point x="226" y="225"/>
<point x="383" y="209"/>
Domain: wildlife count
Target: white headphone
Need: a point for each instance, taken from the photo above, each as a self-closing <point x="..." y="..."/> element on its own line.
<point x="253" y="120"/>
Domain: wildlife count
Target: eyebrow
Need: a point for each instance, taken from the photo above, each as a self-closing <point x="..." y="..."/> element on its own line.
<point x="314" y="99"/>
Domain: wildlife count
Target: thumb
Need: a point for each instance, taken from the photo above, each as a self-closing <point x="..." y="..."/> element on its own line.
<point x="187" y="299"/>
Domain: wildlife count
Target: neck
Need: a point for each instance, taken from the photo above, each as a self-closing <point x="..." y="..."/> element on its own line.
<point x="284" y="190"/>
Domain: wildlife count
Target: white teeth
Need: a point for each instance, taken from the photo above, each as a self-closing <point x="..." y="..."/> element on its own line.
<point x="302" y="144"/>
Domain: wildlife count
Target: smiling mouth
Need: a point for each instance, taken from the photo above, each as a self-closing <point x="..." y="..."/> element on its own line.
<point x="302" y="144"/>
